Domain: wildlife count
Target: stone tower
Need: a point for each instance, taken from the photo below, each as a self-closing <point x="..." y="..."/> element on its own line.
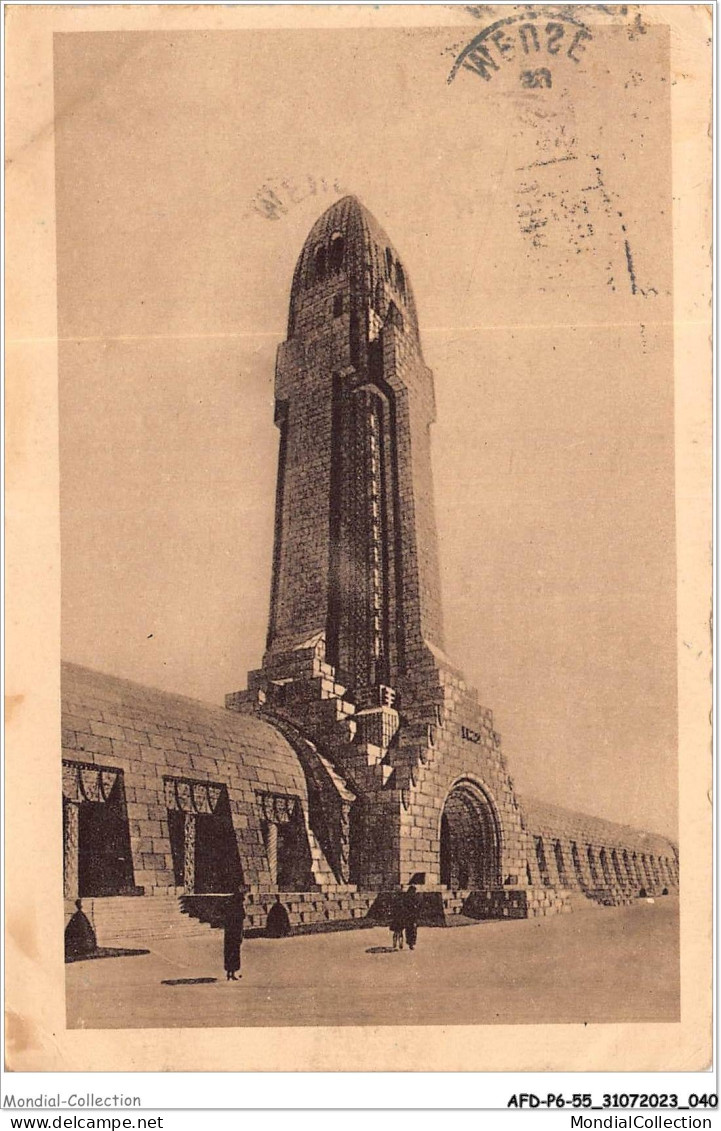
<point x="355" y="560"/>
<point x="354" y="661"/>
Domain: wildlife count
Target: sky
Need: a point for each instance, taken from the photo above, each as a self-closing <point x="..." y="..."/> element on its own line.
<point x="535" y="227"/>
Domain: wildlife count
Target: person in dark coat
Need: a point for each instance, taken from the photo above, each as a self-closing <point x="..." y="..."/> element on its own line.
<point x="397" y="920"/>
<point x="79" y="935"/>
<point x="411" y="912"/>
<point x="234" y="919"/>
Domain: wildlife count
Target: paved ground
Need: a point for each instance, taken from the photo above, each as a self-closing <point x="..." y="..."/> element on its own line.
<point x="600" y="965"/>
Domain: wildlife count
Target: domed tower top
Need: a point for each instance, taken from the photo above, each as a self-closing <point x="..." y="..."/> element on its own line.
<point x="348" y="246"/>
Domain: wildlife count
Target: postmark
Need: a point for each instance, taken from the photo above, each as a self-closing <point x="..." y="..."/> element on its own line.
<point x="532" y="42"/>
<point x="275" y="198"/>
<point x="567" y="194"/>
<point x="565" y="206"/>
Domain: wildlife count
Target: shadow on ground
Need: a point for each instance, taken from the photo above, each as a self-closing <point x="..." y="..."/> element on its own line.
<point x="105" y="952"/>
<point x="187" y="981"/>
<point x="600" y="965"/>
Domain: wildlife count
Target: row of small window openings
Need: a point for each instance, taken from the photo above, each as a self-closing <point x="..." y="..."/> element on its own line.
<point x="328" y="261"/>
<point x="649" y="865"/>
<point x="375" y="529"/>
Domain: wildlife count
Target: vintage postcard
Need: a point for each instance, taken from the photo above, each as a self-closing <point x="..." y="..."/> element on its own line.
<point x="359" y="532"/>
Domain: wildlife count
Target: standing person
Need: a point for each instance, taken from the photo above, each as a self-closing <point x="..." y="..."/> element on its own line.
<point x="411" y="911"/>
<point x="234" y="919"/>
<point x="397" y="918"/>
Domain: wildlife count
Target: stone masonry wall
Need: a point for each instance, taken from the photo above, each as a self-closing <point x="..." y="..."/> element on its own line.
<point x="304" y="394"/>
<point x="456" y="741"/>
<point x="451" y="739"/>
<point x="609" y="862"/>
<point x="412" y="381"/>
<point x="441" y="738"/>
<point x="149" y="734"/>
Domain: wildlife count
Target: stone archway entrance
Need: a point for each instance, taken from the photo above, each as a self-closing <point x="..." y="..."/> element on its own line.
<point x="470" y="840"/>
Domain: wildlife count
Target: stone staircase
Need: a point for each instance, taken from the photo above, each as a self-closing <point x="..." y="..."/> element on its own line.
<point x="583" y="901"/>
<point x="612" y="895"/>
<point x="126" y="919"/>
<point x="300" y="683"/>
<point x="606" y="895"/>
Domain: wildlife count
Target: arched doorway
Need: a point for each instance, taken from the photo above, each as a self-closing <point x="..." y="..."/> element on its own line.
<point x="469" y="840"/>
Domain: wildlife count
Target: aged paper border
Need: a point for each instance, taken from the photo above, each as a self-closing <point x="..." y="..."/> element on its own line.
<point x="37" y="1039"/>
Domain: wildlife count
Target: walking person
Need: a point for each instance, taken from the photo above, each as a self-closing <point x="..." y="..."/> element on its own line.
<point x="411" y="912"/>
<point x="397" y="918"/>
<point x="234" y="919"/>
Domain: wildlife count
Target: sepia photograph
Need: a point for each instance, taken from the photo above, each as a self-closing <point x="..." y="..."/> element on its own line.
<point x="369" y="522"/>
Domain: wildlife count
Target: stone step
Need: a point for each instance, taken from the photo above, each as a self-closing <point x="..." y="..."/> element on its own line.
<point x="462" y="921"/>
<point x="118" y="925"/>
<point x="304" y="909"/>
<point x="579" y="901"/>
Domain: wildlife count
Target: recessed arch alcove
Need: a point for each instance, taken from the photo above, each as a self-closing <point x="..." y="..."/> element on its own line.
<point x="470" y="838"/>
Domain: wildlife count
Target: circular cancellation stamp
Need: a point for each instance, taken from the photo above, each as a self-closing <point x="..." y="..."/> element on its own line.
<point x="533" y="40"/>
